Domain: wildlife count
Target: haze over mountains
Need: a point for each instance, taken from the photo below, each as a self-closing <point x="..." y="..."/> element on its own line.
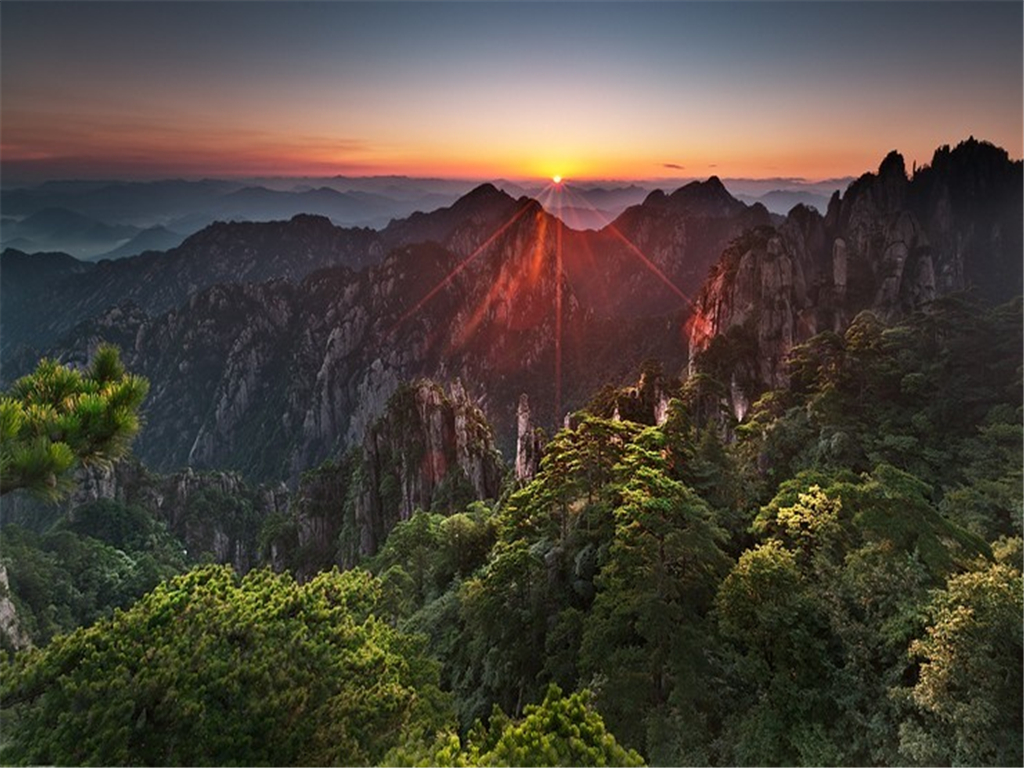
<point x="274" y="345"/>
<point x="111" y="220"/>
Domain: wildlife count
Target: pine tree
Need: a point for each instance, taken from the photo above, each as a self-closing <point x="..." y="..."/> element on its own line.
<point x="57" y="418"/>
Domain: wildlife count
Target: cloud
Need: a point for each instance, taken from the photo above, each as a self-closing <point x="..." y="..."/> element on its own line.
<point x="675" y="166"/>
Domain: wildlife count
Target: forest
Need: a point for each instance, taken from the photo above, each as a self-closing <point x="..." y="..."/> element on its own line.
<point x="835" y="579"/>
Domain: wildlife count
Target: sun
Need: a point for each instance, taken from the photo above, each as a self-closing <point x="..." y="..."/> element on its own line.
<point x="557" y="179"/>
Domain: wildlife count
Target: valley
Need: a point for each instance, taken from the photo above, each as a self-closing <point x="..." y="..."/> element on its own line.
<point x="701" y="453"/>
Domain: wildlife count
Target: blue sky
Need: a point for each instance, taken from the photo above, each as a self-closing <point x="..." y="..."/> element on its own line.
<point x="518" y="90"/>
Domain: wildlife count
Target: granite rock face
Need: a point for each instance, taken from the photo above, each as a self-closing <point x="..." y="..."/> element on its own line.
<point x="430" y="450"/>
<point x="216" y="515"/>
<point x="890" y="244"/>
<point x="271" y="348"/>
<point x="529" y="444"/>
<point x="11" y="632"/>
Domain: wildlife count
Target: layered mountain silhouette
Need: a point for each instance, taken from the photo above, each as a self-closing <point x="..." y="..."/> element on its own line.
<point x="152" y="239"/>
<point x="61" y="228"/>
<point x="271" y="346"/>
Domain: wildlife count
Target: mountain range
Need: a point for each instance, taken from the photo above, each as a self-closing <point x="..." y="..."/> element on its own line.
<point x="112" y="220"/>
<point x="272" y="346"/>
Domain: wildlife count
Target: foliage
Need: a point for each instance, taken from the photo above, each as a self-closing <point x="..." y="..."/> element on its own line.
<point x="561" y="730"/>
<point x="831" y="578"/>
<point x="210" y="668"/>
<point x="646" y="627"/>
<point x="778" y="651"/>
<point x="969" y="693"/>
<point x="57" y="417"/>
<point x="938" y="396"/>
<point x="105" y="557"/>
<point x="425" y="553"/>
<point x="861" y="554"/>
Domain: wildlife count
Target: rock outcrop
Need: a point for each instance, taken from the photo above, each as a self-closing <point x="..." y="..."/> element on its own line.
<point x="529" y="444"/>
<point x="889" y="244"/>
<point x="429" y="450"/>
<point x="319" y="518"/>
<point x="216" y="515"/>
<point x="12" y="636"/>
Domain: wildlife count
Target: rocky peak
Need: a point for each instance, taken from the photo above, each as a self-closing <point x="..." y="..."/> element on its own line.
<point x="529" y="444"/>
<point x="890" y="244"/>
<point x="483" y="194"/>
<point x="656" y="197"/>
<point x="893" y="166"/>
<point x="429" y="450"/>
<point x="708" y="198"/>
<point x="875" y="196"/>
<point x="462" y="226"/>
<point x="893" y="181"/>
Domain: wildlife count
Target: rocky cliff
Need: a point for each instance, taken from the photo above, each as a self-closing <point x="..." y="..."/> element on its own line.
<point x="12" y="633"/>
<point x="272" y="378"/>
<point x="890" y="244"/>
<point x="529" y="443"/>
<point x="430" y="450"/>
<point x="216" y="515"/>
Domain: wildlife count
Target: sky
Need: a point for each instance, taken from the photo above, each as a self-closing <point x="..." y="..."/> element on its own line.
<point x="634" y="90"/>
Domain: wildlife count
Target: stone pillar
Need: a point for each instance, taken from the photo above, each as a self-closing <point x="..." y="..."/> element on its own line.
<point x="527" y="449"/>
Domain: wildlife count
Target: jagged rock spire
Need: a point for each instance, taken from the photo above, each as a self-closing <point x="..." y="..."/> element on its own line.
<point x="528" y="448"/>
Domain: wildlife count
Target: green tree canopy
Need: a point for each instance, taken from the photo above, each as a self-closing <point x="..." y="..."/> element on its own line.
<point x="58" y="417"/>
<point x="213" y="669"/>
<point x="968" y="695"/>
<point x="561" y="730"/>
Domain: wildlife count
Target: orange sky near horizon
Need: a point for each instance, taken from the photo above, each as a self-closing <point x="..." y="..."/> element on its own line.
<point x="519" y="91"/>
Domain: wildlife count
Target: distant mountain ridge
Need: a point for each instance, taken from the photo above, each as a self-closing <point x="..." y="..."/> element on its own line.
<point x="680" y="239"/>
<point x="782" y="201"/>
<point x="186" y="207"/>
<point x="54" y="229"/>
<point x="152" y="239"/>
<point x="272" y="346"/>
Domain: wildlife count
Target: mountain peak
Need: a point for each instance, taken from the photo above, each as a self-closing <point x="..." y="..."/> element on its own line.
<point x="710" y="197"/>
<point x="657" y="197"/>
<point x="893" y="165"/>
<point x="483" y="194"/>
